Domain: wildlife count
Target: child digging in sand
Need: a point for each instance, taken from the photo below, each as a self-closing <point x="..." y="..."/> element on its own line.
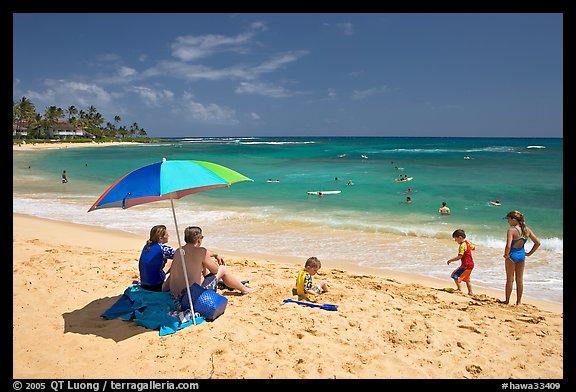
<point x="462" y="273"/>
<point x="306" y="287"/>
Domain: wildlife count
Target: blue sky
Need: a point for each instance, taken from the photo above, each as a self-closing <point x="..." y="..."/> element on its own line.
<point x="299" y="74"/>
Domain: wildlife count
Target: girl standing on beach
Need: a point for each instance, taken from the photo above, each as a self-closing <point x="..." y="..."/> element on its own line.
<point x="515" y="255"/>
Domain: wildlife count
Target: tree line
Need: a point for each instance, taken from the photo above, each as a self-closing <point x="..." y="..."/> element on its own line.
<point x="26" y="118"/>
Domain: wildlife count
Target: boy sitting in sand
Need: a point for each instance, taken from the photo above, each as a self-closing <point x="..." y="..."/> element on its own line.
<point x="306" y="288"/>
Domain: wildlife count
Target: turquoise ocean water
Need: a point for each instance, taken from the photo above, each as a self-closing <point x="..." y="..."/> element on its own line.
<point x="367" y="224"/>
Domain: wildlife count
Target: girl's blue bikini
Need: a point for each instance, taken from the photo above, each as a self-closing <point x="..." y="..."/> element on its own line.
<point x="518" y="255"/>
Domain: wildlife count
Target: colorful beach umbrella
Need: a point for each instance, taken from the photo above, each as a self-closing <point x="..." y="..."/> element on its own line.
<point x="167" y="180"/>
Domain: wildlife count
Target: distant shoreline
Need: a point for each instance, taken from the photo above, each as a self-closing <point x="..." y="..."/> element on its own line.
<point x="55" y="145"/>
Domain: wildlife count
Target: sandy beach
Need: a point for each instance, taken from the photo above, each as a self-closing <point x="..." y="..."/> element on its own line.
<point x="387" y="326"/>
<point x="57" y="145"/>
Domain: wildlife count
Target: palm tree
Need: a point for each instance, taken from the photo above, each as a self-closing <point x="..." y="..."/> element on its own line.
<point x="110" y="130"/>
<point x="97" y="119"/>
<point x="24" y="117"/>
<point x="92" y="110"/>
<point x="72" y="111"/>
<point x="36" y="125"/>
<point x="38" y="122"/>
<point x="93" y="120"/>
<point x="123" y="132"/>
<point x="52" y="114"/>
<point x="23" y="113"/>
<point x="82" y="120"/>
<point x="133" y="129"/>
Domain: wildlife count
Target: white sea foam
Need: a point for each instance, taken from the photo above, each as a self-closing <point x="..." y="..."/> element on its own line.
<point x="279" y="143"/>
<point x="242" y="140"/>
<point x="421" y="253"/>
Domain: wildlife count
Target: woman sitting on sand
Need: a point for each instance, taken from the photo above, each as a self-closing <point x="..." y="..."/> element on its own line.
<point x="153" y="263"/>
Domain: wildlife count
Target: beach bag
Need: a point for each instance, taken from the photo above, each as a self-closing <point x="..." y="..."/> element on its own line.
<point x="208" y="303"/>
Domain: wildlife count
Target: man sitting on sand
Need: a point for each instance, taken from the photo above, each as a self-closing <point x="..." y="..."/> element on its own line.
<point x="200" y="267"/>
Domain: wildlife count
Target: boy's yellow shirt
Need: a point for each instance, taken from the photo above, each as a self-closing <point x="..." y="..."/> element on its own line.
<point x="300" y="286"/>
<point x="300" y="283"/>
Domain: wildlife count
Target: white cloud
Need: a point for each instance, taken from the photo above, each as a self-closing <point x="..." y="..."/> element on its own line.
<point x="191" y="47"/>
<point x="369" y="92"/>
<point x="194" y="47"/>
<point x="208" y="113"/>
<point x="125" y="72"/>
<point x="254" y="116"/>
<point x="63" y="93"/>
<point x="15" y="88"/>
<point x="346" y="27"/>
<point x="194" y="72"/>
<point x="260" y="88"/>
<point x="259" y="26"/>
<point x="279" y="61"/>
<point x="330" y="96"/>
<point x="121" y="75"/>
<point x="151" y="97"/>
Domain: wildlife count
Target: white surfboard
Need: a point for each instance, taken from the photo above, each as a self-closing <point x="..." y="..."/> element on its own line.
<point x="323" y="192"/>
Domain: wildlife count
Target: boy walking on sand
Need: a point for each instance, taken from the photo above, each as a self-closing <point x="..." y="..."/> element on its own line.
<point x="465" y="248"/>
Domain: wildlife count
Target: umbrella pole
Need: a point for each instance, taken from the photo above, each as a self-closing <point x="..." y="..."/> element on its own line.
<point x="183" y="263"/>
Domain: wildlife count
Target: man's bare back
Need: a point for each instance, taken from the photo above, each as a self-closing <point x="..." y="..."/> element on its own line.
<point x="196" y="259"/>
<point x="199" y="264"/>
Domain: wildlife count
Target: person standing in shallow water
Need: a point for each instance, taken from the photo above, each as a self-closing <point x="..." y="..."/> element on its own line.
<point x="515" y="255"/>
<point x="444" y="210"/>
<point x="64" y="177"/>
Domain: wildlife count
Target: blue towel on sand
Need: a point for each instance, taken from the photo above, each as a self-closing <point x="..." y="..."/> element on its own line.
<point x="148" y="309"/>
